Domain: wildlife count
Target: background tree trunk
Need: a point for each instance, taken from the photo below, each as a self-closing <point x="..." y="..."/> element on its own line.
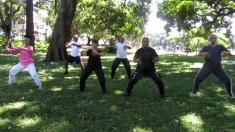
<point x="61" y="32"/>
<point x="29" y="20"/>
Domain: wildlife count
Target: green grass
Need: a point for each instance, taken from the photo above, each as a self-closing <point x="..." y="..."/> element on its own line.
<point x="60" y="107"/>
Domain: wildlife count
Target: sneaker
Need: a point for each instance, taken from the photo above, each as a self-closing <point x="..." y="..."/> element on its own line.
<point x="66" y="72"/>
<point x="39" y="87"/>
<point x="127" y="94"/>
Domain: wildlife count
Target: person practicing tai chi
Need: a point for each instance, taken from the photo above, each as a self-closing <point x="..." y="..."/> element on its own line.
<point x="145" y="57"/>
<point x="121" y="57"/>
<point x="212" y="54"/>
<point x="25" y="61"/>
<point x="93" y="64"/>
<point x="75" y="54"/>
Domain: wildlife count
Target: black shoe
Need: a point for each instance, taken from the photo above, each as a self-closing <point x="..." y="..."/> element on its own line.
<point x="66" y="72"/>
<point x="81" y="91"/>
<point x="104" y="92"/>
<point x="127" y="94"/>
<point x="162" y="96"/>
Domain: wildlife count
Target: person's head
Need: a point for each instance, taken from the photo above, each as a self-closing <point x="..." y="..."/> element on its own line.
<point x="27" y="40"/>
<point x="121" y="39"/>
<point x="145" y="42"/>
<point x="75" y="37"/>
<point x="95" y="43"/>
<point x="212" y="38"/>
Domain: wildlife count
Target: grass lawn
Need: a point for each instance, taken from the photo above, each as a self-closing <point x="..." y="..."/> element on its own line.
<point x="60" y="107"/>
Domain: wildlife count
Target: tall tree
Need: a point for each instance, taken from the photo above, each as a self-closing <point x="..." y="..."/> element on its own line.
<point x="29" y="19"/>
<point x="8" y="11"/>
<point x="61" y="32"/>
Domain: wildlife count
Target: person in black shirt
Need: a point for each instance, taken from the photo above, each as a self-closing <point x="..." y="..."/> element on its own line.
<point x="145" y="58"/>
<point x="212" y="54"/>
<point x="93" y="64"/>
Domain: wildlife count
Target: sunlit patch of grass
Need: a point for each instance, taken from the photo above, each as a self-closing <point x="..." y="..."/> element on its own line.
<point x="140" y="129"/>
<point x="192" y="122"/>
<point x="118" y="92"/>
<point x="11" y="106"/>
<point x="4" y="122"/>
<point x="56" y="89"/>
<point x="27" y="122"/>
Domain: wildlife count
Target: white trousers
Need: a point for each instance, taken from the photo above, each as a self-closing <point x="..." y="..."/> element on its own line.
<point x="19" y="67"/>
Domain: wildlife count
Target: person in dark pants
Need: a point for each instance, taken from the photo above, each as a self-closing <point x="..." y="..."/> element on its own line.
<point x="93" y="64"/>
<point x="212" y="54"/>
<point x="121" y="57"/>
<point x="145" y="58"/>
<point x="75" y="54"/>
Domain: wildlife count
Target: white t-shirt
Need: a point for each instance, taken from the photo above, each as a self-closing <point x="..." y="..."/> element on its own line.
<point x="121" y="50"/>
<point x="75" y="50"/>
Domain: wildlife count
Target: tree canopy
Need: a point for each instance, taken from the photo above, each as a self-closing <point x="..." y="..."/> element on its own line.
<point x="203" y="14"/>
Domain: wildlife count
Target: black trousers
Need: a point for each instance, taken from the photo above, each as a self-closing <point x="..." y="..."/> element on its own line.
<point x="218" y="71"/>
<point x="138" y="75"/>
<point x="86" y="73"/>
<point x="126" y="64"/>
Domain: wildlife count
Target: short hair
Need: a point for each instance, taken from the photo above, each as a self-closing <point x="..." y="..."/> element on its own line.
<point x="94" y="41"/>
<point x="75" y="36"/>
<point x="29" y="37"/>
<point x="145" y="38"/>
<point x="209" y="37"/>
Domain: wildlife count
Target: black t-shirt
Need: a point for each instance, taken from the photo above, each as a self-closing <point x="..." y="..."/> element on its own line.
<point x="215" y="53"/>
<point x="93" y="60"/>
<point x="146" y="55"/>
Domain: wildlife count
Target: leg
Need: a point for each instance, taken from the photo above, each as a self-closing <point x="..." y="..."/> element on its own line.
<point x="79" y="61"/>
<point x="100" y="75"/>
<point x="34" y="75"/>
<point x="127" y="66"/>
<point x="68" y="60"/>
<point x="201" y="75"/>
<point x="133" y="80"/>
<point x="156" y="78"/>
<point x="221" y="74"/>
<point x="85" y="74"/>
<point x="115" y="64"/>
<point x="14" y="70"/>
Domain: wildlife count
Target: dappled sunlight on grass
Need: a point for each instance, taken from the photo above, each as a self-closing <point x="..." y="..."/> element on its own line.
<point x="140" y="129"/>
<point x="27" y="122"/>
<point x="56" y="89"/>
<point x="196" y="65"/>
<point x="118" y="92"/>
<point x="113" y="108"/>
<point x="4" y="122"/>
<point x="12" y="106"/>
<point x="192" y="122"/>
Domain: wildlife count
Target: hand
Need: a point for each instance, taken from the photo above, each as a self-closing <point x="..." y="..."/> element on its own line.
<point x="225" y="53"/>
<point x="207" y="54"/>
<point x="139" y="61"/>
<point x="94" y="52"/>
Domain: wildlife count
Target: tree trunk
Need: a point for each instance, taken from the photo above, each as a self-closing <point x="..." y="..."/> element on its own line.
<point x="61" y="32"/>
<point x="29" y="20"/>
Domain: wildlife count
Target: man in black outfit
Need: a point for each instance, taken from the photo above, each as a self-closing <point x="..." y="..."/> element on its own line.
<point x="145" y="58"/>
<point x="93" y="64"/>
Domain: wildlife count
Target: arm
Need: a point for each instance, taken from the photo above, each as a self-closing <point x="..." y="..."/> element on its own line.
<point x="12" y="50"/>
<point x="155" y="59"/>
<point x="128" y="47"/>
<point x="225" y="52"/>
<point x="137" y="58"/>
<point x="204" y="53"/>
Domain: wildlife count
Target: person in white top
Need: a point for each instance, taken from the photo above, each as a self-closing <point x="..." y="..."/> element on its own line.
<point x="121" y="57"/>
<point x="74" y="54"/>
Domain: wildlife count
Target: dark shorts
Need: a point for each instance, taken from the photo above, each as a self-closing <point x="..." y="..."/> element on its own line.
<point x="71" y="59"/>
